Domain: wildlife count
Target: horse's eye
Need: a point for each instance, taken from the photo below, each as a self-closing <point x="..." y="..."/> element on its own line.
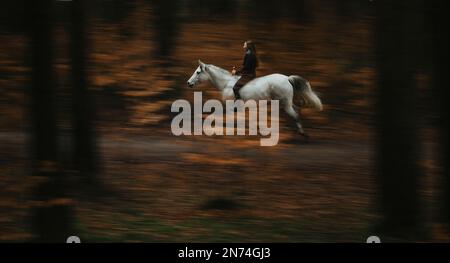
<point x="198" y="72"/>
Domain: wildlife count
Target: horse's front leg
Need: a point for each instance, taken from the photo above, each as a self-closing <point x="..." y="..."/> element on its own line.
<point x="289" y="109"/>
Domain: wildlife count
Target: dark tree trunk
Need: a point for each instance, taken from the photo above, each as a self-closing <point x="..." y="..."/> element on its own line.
<point x="397" y="146"/>
<point x="166" y="27"/>
<point x="51" y="213"/>
<point x="439" y="18"/>
<point x="82" y="110"/>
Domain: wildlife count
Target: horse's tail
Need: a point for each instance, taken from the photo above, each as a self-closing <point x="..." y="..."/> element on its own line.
<point x="303" y="88"/>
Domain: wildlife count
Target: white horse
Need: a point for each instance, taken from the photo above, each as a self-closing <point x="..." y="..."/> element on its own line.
<point x="270" y="87"/>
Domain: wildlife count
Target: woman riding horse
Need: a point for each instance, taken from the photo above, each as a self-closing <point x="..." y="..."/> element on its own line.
<point x="248" y="69"/>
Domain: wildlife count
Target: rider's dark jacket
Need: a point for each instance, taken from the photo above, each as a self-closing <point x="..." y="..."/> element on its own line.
<point x="248" y="66"/>
<point x="247" y="72"/>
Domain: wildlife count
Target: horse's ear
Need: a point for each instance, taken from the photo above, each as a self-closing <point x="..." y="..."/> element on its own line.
<point x="201" y="63"/>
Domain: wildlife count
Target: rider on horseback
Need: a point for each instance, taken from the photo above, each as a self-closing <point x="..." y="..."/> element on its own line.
<point x="248" y="69"/>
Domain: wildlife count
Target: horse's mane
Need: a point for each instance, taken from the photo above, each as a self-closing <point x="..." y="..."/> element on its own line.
<point x="224" y="71"/>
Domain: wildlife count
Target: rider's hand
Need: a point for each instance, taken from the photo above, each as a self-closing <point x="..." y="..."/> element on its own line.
<point x="233" y="71"/>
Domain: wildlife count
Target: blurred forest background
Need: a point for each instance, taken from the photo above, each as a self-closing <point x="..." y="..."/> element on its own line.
<point x="86" y="147"/>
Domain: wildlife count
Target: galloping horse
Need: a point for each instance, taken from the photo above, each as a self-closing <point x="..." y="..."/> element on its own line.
<point x="274" y="87"/>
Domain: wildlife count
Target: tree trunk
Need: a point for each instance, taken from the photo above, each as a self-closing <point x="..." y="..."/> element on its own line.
<point x="51" y="213"/>
<point x="82" y="108"/>
<point x="438" y="16"/>
<point x="397" y="146"/>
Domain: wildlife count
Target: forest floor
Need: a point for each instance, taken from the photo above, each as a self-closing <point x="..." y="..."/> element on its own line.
<point x="158" y="187"/>
<point x="189" y="189"/>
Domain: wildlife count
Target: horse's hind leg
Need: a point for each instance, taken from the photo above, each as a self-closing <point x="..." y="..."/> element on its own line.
<point x="289" y="109"/>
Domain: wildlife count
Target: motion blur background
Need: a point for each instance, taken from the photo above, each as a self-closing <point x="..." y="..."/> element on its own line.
<point x="86" y="147"/>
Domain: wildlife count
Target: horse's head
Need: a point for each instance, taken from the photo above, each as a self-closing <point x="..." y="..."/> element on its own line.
<point x="200" y="75"/>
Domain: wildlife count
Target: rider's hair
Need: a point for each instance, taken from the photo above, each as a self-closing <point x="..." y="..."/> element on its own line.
<point x="252" y="47"/>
